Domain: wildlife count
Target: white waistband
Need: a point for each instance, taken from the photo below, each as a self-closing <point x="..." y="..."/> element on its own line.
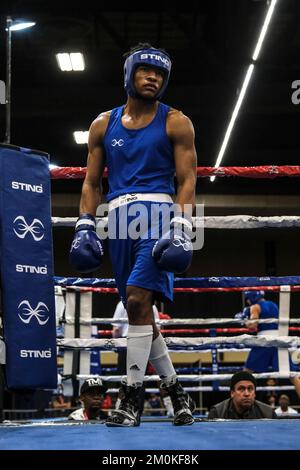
<point x="268" y="333"/>
<point x="135" y="197"/>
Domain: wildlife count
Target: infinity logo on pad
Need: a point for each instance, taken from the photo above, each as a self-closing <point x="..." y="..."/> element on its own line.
<point x="22" y="228"/>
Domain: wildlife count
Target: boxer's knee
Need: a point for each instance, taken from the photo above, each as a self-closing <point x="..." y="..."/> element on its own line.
<point x="139" y="306"/>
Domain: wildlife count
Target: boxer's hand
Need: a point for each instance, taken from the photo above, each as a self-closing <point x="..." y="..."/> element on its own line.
<point x="87" y="248"/>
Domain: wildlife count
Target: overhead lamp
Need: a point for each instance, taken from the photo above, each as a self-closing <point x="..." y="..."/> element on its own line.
<point x="70" y="61"/>
<point x="81" y="137"/>
<point x="246" y="82"/>
<point x="11" y="25"/>
<point x="17" y="25"/>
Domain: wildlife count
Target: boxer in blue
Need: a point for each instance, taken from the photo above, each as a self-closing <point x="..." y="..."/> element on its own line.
<point x="261" y="359"/>
<point x="143" y="144"/>
<point x="264" y="359"/>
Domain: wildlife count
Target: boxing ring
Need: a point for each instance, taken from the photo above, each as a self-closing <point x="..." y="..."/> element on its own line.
<point x="158" y="433"/>
<point x="281" y="434"/>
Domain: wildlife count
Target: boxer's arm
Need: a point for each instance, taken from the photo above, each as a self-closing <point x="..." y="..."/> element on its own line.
<point x="181" y="131"/>
<point x="254" y="315"/>
<point x="92" y="185"/>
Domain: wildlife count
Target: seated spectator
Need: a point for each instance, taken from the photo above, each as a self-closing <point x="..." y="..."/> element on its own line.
<point x="60" y="401"/>
<point x="242" y="403"/>
<point x="270" y="396"/>
<point x="92" y="397"/>
<point x="284" y="409"/>
<point x="155" y="404"/>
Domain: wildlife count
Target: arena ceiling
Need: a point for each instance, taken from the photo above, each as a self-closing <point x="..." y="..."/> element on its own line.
<point x="211" y="43"/>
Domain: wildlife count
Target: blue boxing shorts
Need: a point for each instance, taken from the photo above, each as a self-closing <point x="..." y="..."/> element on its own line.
<point x="262" y="360"/>
<point x="265" y="360"/>
<point x="133" y="229"/>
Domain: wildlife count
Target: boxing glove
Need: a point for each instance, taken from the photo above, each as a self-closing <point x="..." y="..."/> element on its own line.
<point x="87" y="248"/>
<point x="244" y="315"/>
<point x="174" y="251"/>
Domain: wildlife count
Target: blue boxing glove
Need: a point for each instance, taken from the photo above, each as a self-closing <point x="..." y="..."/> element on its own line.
<point x="174" y="251"/>
<point x="244" y="315"/>
<point x="87" y="248"/>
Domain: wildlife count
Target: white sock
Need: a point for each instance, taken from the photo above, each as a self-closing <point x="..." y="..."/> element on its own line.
<point x="139" y="340"/>
<point x="160" y="359"/>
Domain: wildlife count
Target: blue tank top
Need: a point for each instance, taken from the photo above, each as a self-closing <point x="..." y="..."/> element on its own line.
<point x="139" y="160"/>
<point x="268" y="310"/>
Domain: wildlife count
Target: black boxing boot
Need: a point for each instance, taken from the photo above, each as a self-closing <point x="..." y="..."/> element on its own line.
<point x="128" y="412"/>
<point x="182" y="403"/>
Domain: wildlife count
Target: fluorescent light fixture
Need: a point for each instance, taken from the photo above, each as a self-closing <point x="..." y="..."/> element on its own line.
<point x="64" y="62"/>
<point x="77" y="61"/>
<point x="81" y="137"/>
<point x="264" y="30"/>
<point x="19" y="25"/>
<point x="70" y="62"/>
<point x="233" y="117"/>
<point x="245" y="85"/>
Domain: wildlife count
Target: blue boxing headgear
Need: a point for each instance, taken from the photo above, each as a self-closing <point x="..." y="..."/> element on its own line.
<point x="153" y="57"/>
<point x="254" y="295"/>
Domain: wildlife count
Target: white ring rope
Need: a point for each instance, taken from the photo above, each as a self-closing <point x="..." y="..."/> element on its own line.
<point x="193" y="378"/>
<point x="212" y="222"/>
<point x="245" y="340"/>
<point x="207" y="388"/>
<point x="184" y="321"/>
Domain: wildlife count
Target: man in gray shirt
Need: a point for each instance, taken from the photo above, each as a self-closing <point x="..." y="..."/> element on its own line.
<point x="242" y="403"/>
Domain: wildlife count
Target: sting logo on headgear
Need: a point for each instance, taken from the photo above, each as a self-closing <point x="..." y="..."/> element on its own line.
<point x="153" y="57"/>
<point x="21" y="228"/>
<point x="40" y="312"/>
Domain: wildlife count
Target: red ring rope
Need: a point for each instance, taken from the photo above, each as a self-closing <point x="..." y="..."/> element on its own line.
<point x="266" y="171"/>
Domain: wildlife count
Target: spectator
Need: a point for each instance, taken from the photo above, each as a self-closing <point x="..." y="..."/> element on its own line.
<point x="242" y="403"/>
<point x="59" y="402"/>
<point x="155" y="404"/>
<point x="270" y="396"/>
<point x="92" y="397"/>
<point x="284" y="409"/>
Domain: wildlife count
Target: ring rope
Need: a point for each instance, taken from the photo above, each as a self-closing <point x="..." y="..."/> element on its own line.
<point x="216" y="283"/>
<point x="245" y="340"/>
<point x="184" y="321"/>
<point x="207" y="388"/>
<point x="210" y="222"/>
<point x="265" y="171"/>
<point x="198" y="330"/>
<point x="193" y="378"/>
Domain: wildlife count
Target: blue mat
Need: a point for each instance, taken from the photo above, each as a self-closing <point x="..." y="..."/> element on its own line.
<point x="224" y="435"/>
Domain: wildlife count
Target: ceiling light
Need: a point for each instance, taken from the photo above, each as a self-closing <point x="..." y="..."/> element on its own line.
<point x="70" y="62"/>
<point x="18" y="25"/>
<point x="81" y="137"/>
<point x="245" y="85"/>
<point x="77" y="61"/>
<point x="264" y="30"/>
